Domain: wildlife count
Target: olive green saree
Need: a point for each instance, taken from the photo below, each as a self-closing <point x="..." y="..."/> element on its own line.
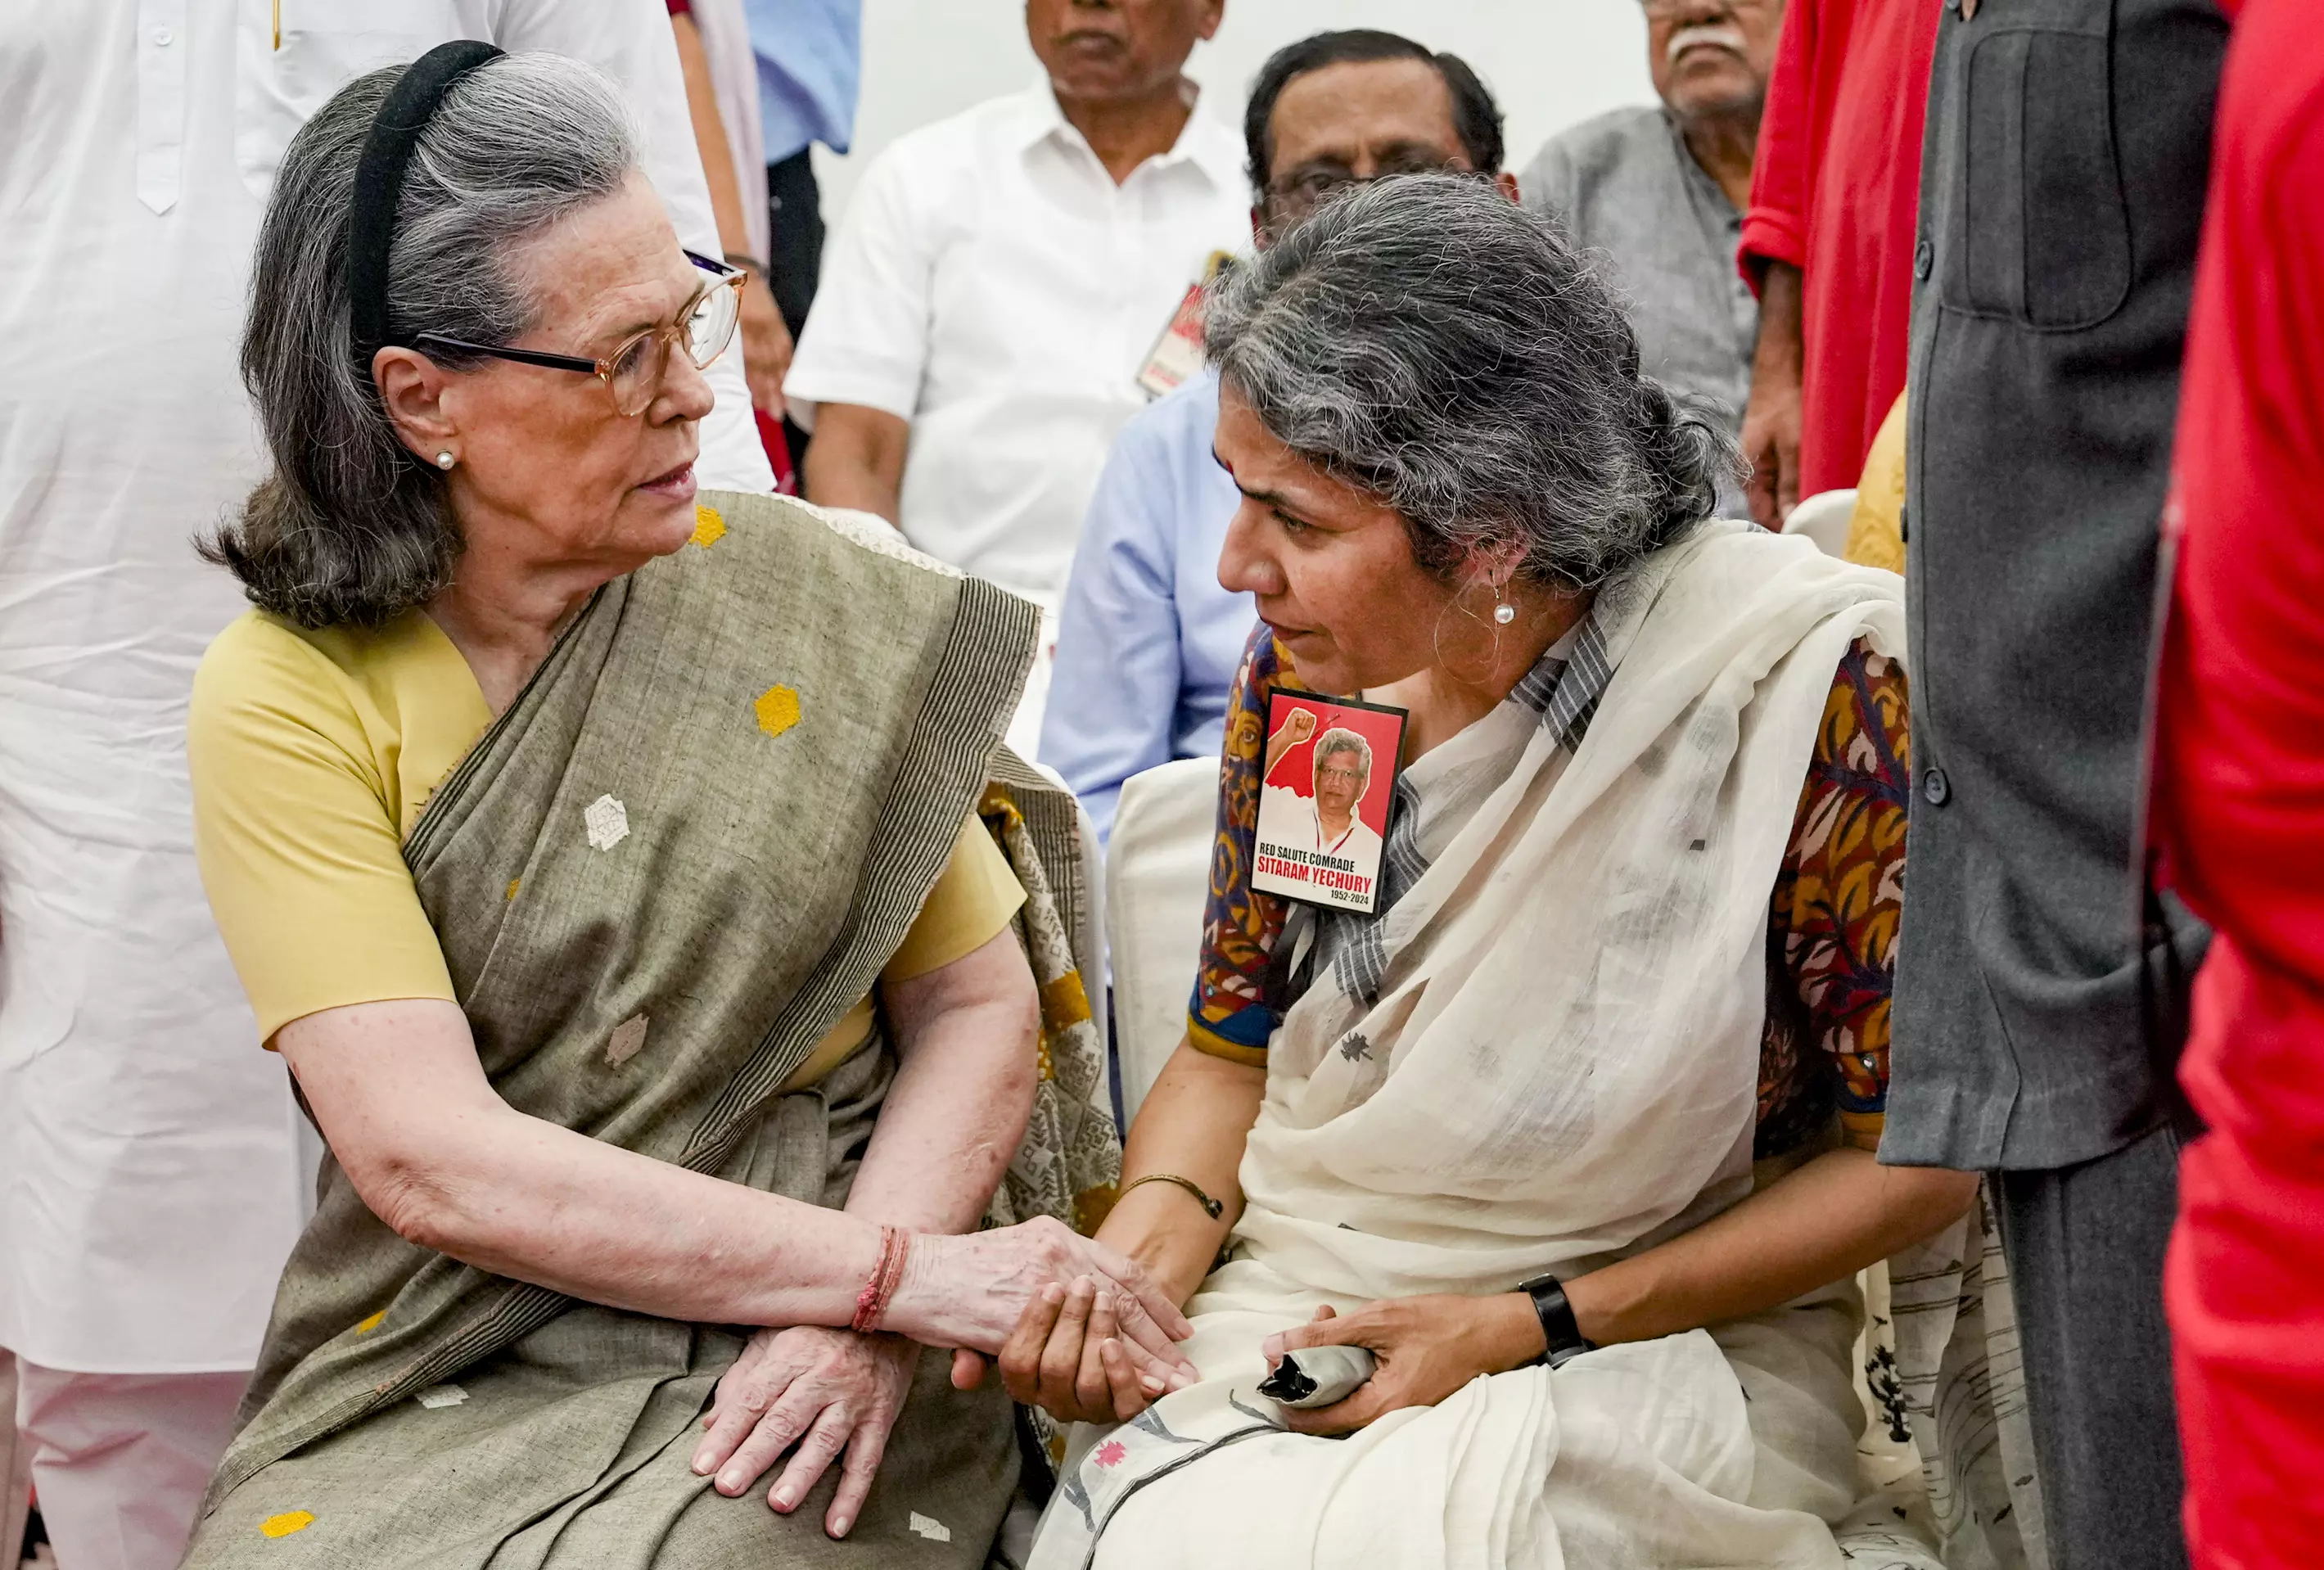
<point x="685" y="851"/>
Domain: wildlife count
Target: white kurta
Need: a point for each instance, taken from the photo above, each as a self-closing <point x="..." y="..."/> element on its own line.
<point x="992" y="285"/>
<point x="150" y="1175"/>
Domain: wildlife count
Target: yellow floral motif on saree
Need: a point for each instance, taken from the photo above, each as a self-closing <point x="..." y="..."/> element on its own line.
<point x="778" y="709"/>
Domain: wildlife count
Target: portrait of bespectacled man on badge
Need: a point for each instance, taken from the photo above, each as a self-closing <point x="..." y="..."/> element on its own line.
<point x="1324" y="804"/>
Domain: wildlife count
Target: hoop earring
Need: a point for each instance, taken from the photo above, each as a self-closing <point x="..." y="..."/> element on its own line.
<point x="1488" y="629"/>
<point x="444" y="460"/>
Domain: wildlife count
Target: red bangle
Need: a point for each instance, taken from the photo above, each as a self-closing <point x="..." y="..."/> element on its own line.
<point x="871" y="1303"/>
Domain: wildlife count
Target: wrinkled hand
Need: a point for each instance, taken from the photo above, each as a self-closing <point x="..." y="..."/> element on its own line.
<point x="1771" y="444"/>
<point x="1299" y="725"/>
<point x="766" y="347"/>
<point x="971" y="1291"/>
<point x="1428" y="1348"/>
<point x="1066" y="1357"/>
<point x="826" y="1390"/>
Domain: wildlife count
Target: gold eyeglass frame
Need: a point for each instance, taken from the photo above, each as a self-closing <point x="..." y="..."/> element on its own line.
<point x="674" y="338"/>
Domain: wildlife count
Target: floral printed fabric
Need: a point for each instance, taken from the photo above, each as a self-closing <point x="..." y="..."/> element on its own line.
<point x="1831" y="930"/>
<point x="1229" y="1016"/>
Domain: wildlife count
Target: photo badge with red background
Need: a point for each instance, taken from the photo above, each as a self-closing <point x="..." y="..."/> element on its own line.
<point x="1324" y="802"/>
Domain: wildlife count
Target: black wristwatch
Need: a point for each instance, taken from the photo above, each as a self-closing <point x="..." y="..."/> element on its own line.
<point x="1560" y="1330"/>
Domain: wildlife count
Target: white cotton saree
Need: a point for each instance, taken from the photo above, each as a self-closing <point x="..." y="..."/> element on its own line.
<point x="1548" y="1060"/>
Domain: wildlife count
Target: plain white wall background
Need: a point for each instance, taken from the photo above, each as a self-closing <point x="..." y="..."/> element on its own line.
<point x="1550" y="63"/>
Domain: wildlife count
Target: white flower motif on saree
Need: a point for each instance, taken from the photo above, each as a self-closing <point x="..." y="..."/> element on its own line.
<point x="607" y="820"/>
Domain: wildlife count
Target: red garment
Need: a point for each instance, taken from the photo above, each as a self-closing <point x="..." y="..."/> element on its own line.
<point x="2239" y="811"/>
<point x="779" y="453"/>
<point x="1836" y="192"/>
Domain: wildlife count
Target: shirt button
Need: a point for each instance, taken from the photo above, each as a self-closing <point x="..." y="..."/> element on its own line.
<point x="1925" y="260"/>
<point x="163" y="37"/>
<point x="1936" y="786"/>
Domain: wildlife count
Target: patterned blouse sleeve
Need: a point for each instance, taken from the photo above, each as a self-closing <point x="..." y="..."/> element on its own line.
<point x="1229" y="1016"/>
<point x="1842" y="885"/>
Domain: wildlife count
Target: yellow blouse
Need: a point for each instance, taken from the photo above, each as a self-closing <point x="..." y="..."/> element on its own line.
<point x="313" y="754"/>
<point x="1876" y="530"/>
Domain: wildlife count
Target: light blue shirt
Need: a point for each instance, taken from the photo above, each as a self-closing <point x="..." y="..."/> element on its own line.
<point x="1148" y="642"/>
<point x="810" y="64"/>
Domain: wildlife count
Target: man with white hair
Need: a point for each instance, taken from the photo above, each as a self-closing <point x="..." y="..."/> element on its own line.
<point x="1659" y="191"/>
<point x="1340" y="778"/>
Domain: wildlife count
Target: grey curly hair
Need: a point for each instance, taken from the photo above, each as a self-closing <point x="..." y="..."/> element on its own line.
<point x="1429" y="341"/>
<point x="350" y="527"/>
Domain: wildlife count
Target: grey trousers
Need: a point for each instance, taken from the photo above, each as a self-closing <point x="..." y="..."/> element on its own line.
<point x="2085" y="1247"/>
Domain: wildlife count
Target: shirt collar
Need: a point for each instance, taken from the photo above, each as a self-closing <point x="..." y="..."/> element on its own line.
<point x="1698" y="178"/>
<point x="1205" y="143"/>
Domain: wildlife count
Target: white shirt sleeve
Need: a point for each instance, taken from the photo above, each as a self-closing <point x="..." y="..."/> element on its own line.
<point x="866" y="339"/>
<point x="631" y="41"/>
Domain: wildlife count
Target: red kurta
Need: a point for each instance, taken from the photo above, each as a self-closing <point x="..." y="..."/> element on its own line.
<point x="2240" y="811"/>
<point x="1835" y="191"/>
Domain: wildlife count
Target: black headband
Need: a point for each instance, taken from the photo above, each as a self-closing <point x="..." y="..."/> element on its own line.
<point x="395" y="131"/>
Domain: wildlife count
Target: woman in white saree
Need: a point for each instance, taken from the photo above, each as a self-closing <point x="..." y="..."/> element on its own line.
<point x="1502" y="1133"/>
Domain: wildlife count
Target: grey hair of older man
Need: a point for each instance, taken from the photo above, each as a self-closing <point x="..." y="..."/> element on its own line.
<point x="351" y="527"/>
<point x="1432" y="343"/>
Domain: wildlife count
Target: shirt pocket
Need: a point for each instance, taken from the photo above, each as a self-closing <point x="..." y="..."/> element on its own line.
<point x="323" y="45"/>
<point x="2043" y="234"/>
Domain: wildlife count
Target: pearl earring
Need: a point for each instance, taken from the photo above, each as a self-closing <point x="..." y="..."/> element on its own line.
<point x="444" y="460"/>
<point x="1503" y="612"/>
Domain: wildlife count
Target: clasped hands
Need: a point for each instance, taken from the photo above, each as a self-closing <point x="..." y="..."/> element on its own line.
<point x="1078" y="1329"/>
<point x="1066" y="1354"/>
<point x="835" y="1394"/>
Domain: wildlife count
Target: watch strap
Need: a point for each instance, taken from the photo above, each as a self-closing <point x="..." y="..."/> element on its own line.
<point x="1561" y="1332"/>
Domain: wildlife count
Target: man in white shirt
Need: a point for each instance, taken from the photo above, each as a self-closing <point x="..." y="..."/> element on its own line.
<point x="151" y="1179"/>
<point x="998" y="281"/>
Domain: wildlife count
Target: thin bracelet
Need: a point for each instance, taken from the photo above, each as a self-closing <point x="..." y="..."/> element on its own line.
<point x="1210" y="1208"/>
<point x="744" y="261"/>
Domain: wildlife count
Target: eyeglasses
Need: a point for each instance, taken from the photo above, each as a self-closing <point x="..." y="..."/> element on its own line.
<point x="1293" y="198"/>
<point x="1342" y="776"/>
<point x="634" y="371"/>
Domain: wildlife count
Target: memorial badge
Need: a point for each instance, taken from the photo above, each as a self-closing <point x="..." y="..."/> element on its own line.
<point x="1323" y="800"/>
<point x="1177" y="353"/>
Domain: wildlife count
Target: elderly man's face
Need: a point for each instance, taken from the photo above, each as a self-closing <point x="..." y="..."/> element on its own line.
<point x="547" y="469"/>
<point x="1711" y="57"/>
<point x="1354" y="121"/>
<point x="1101" y="50"/>
<point x="1331" y="569"/>
<point x="1339" y="781"/>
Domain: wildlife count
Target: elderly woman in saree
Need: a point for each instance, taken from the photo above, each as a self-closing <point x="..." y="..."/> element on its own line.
<point x="630" y="879"/>
<point x="1574" y="1134"/>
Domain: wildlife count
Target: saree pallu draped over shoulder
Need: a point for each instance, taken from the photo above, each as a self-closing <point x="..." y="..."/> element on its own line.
<point x="658" y="879"/>
<point x="1552" y="1063"/>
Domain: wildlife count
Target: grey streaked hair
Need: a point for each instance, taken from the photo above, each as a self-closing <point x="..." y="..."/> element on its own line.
<point x="1429" y="341"/>
<point x="1340" y="739"/>
<point x="351" y="527"/>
